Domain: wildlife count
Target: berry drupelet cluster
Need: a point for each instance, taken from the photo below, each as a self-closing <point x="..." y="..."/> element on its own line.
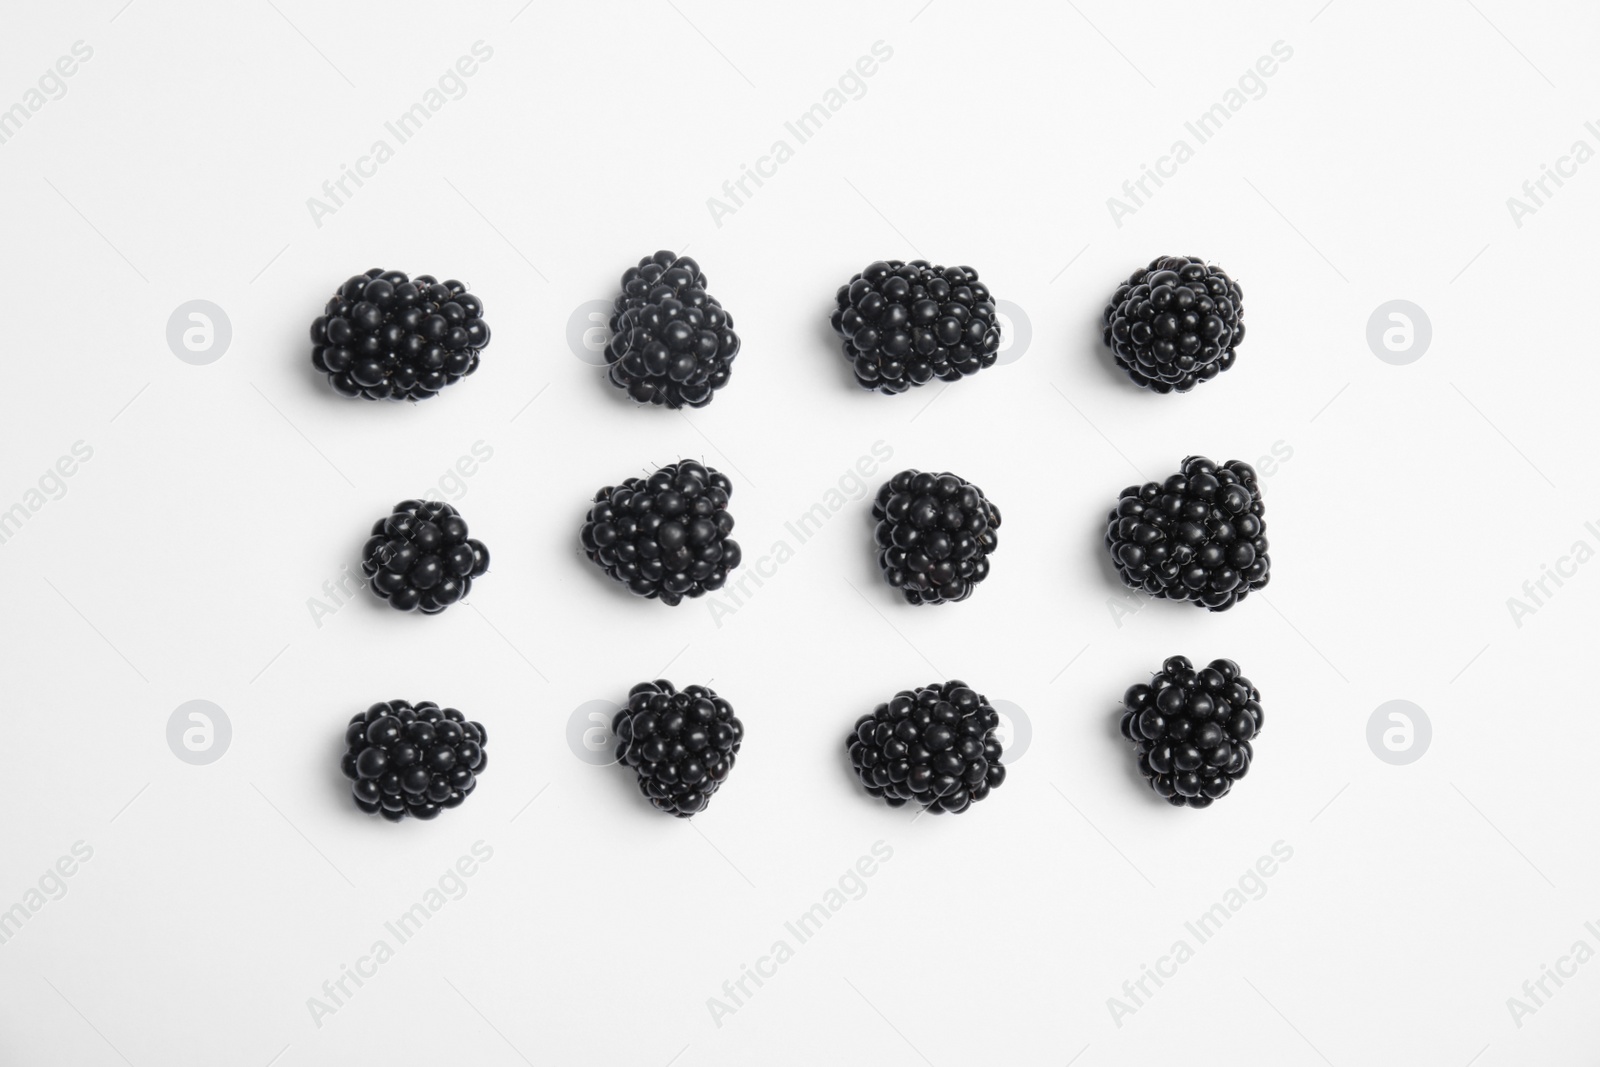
<point x="935" y="533"/>
<point x="665" y="536"/>
<point x="420" y="557"/>
<point x="681" y="744"/>
<point x="671" y="342"/>
<point x="905" y="324"/>
<point x="1199" y="536"/>
<point x="384" y="336"/>
<point x="406" y="759"/>
<point x="1175" y="323"/>
<point x="934" y="746"/>
<point x="1193" y="729"/>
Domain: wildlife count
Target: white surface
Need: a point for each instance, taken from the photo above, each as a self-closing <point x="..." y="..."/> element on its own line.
<point x="179" y="562"/>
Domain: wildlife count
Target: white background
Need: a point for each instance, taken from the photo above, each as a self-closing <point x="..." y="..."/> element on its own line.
<point x="180" y="561"/>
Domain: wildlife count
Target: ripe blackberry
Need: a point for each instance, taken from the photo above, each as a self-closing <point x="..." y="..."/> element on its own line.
<point x="406" y="759"/>
<point x="1198" y="536"/>
<point x="421" y="557"/>
<point x="384" y="336"/>
<point x="671" y="342"/>
<point x="681" y="745"/>
<point x="934" y="745"/>
<point x="1175" y="323"/>
<point x="934" y="534"/>
<point x="905" y="324"/>
<point x="1193" y="729"/>
<point x="665" y="536"/>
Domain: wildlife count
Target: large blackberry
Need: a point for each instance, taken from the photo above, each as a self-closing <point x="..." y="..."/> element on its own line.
<point x="1193" y="729"/>
<point x="905" y="324"/>
<point x="934" y="745"/>
<point x="665" y="536"/>
<point x="934" y="534"/>
<point x="1175" y="323"/>
<point x="420" y="557"/>
<point x="406" y="759"/>
<point x="681" y="744"/>
<point x="1198" y="536"/>
<point x="384" y="336"/>
<point x="671" y="342"/>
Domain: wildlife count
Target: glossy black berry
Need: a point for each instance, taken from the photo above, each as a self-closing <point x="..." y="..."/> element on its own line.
<point x="905" y="324"/>
<point x="412" y="759"/>
<point x="1175" y="323"/>
<point x="384" y="336"/>
<point x="1193" y="729"/>
<point x="934" y="746"/>
<point x="1199" y="536"/>
<point x="420" y="557"/>
<point x="665" y="536"/>
<point x="935" y="533"/>
<point x="671" y="342"/>
<point x="681" y="744"/>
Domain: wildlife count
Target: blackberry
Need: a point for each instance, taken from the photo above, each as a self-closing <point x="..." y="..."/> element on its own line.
<point x="420" y="557"/>
<point x="905" y="324"/>
<point x="1175" y="323"/>
<point x="383" y="336"/>
<point x="412" y="759"/>
<point x="1193" y="729"/>
<point x="665" y="536"/>
<point x="935" y="533"/>
<point x="671" y="342"/>
<point x="1198" y="536"/>
<point x="934" y="745"/>
<point x="681" y="744"/>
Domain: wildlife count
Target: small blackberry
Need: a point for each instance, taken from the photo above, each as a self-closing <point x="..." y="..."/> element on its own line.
<point x="935" y="533"/>
<point x="665" y="536"/>
<point x="681" y="744"/>
<point x="420" y="557"/>
<point x="384" y="336"/>
<point x="905" y="324"/>
<point x="1199" y="536"/>
<point x="671" y="342"/>
<point x="1175" y="323"/>
<point x="1193" y="729"/>
<point x="406" y="759"/>
<point x="934" y="745"/>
